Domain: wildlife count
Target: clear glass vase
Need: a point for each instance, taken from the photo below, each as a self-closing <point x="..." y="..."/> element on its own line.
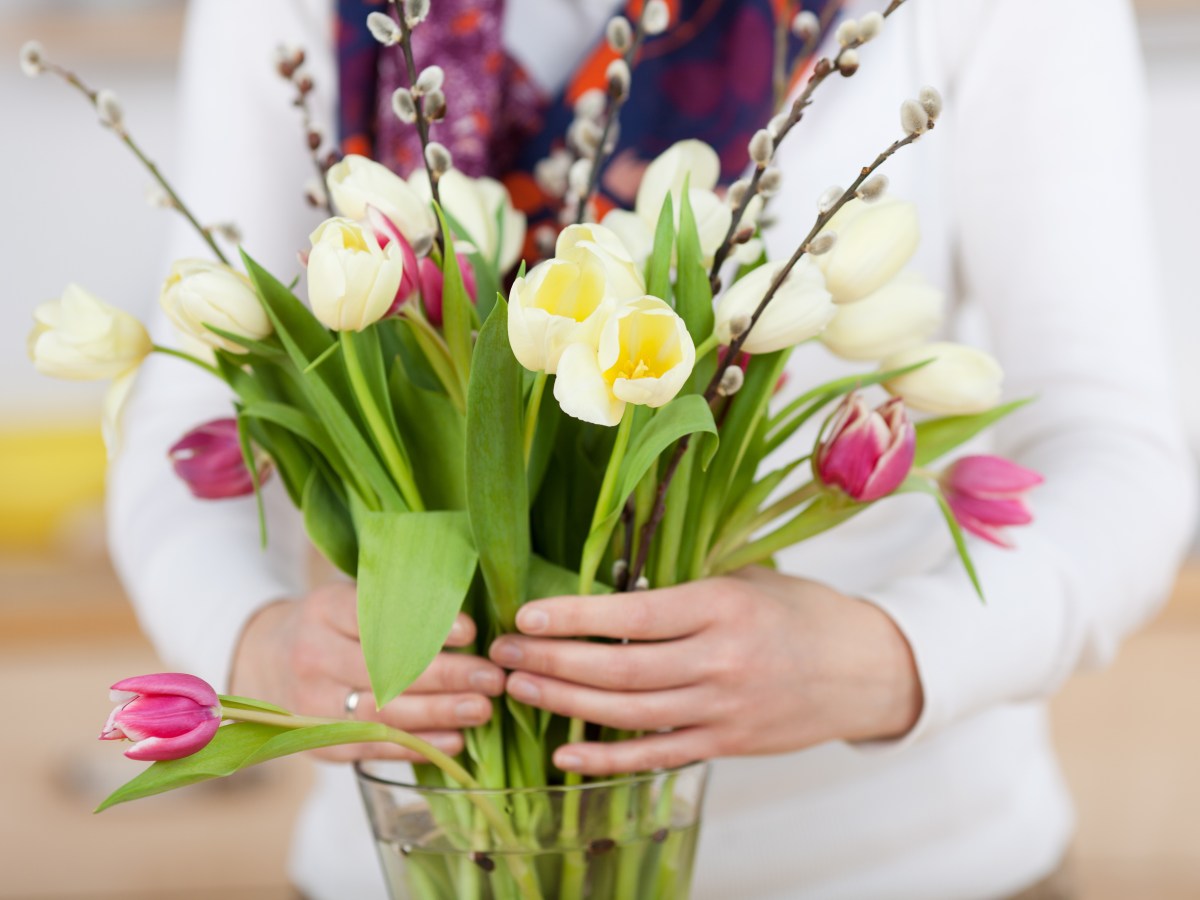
<point x="630" y="838"/>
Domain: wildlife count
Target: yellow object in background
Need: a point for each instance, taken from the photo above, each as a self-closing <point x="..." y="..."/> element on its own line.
<point x="48" y="473"/>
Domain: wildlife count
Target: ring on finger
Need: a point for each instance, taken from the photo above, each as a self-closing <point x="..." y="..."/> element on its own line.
<point x="351" y="703"/>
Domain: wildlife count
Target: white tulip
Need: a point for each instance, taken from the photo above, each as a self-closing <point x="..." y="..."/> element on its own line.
<point x="113" y="408"/>
<point x="960" y="380"/>
<point x="800" y="309"/>
<point x="623" y="277"/>
<point x="644" y="356"/>
<point x="874" y="242"/>
<point x="351" y="281"/>
<point x="901" y="314"/>
<point x="199" y="293"/>
<point x="82" y="338"/>
<point x="357" y="182"/>
<point x="634" y="232"/>
<point x="482" y="208"/>
<point x="557" y="303"/>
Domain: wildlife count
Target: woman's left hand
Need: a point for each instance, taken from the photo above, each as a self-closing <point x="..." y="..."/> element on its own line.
<point x="748" y="664"/>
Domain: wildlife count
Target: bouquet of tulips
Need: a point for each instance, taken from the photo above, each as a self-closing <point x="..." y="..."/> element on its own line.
<point x="459" y="439"/>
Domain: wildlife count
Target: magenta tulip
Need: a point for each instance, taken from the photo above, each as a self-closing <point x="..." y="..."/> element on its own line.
<point x="386" y="232"/>
<point x="986" y="493"/>
<point x="868" y="453"/>
<point x="209" y="460"/>
<point x="168" y="715"/>
<point x="431" y="286"/>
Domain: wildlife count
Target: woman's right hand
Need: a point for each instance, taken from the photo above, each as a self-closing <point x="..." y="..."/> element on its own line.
<point x="305" y="656"/>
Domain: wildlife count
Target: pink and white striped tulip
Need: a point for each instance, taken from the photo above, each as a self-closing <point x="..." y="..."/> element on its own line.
<point x="868" y="453"/>
<point x="987" y="493"/>
<point x="169" y="715"/>
<point x="209" y="460"/>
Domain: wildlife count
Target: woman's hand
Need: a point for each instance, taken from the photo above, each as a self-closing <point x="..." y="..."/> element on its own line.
<point x="749" y="664"/>
<point x="305" y="656"/>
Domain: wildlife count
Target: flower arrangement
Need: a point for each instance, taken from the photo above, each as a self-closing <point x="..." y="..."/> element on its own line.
<point x="405" y="410"/>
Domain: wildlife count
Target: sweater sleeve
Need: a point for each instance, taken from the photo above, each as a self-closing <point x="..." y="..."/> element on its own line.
<point x="195" y="570"/>
<point x="1056" y="251"/>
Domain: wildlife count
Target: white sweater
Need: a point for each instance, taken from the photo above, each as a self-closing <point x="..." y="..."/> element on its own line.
<point x="1032" y="196"/>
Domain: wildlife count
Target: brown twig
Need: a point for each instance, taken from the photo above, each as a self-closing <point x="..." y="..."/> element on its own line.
<point x="735" y="346"/>
<point x="422" y="122"/>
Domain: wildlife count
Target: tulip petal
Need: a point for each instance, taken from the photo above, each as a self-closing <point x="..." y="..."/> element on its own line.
<point x="986" y="475"/>
<point x="580" y="388"/>
<point x="155" y="749"/>
<point x="182" y="684"/>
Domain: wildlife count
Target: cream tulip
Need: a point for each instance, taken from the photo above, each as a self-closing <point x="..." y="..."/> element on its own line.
<point x="82" y="338"/>
<point x="644" y="356"/>
<point x="558" y="303"/>
<point x="113" y="408"/>
<point x="901" y="314"/>
<point x="352" y="282"/>
<point x="357" y="183"/>
<point x="800" y="309"/>
<point x="622" y="275"/>
<point x="482" y="208"/>
<point x="959" y="380"/>
<point x="198" y="293"/>
<point x="874" y="242"/>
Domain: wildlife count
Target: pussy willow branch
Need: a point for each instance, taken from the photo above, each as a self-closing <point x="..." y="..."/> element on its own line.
<point x="422" y="123"/>
<point x="783" y="28"/>
<point x="735" y="347"/>
<point x="824" y="68"/>
<point x="314" y="152"/>
<point x="612" y="112"/>
<point x="119" y="130"/>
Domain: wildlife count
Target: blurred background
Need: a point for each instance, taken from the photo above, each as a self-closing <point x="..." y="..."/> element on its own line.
<point x="1127" y="736"/>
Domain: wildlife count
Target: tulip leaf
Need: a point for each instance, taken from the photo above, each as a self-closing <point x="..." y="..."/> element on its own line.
<point x="828" y="510"/>
<point x="658" y="271"/>
<point x="328" y="521"/>
<point x="268" y="351"/>
<point x="693" y="293"/>
<point x="937" y="437"/>
<point x="547" y="579"/>
<point x="916" y="484"/>
<point x="414" y="570"/>
<point x="497" y="490"/>
<point x="435" y="435"/>
<point x="238" y="746"/>
<point x="232" y="701"/>
<point x="457" y="312"/>
<point x="256" y="478"/>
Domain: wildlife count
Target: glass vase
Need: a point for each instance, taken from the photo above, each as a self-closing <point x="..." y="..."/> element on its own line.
<point x="619" y="839"/>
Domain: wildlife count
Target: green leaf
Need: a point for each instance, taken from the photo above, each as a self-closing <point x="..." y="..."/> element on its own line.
<point x="827" y="511"/>
<point x="658" y="271"/>
<point x="937" y="437"/>
<point x="328" y="521"/>
<point x="251" y="463"/>
<point x="267" y="350"/>
<point x="414" y="569"/>
<point x="546" y="579"/>
<point x="497" y="490"/>
<point x="232" y="701"/>
<point x="693" y="293"/>
<point x="457" y="312"/>
<point x="435" y="434"/>
<point x="238" y="746"/>
<point x="915" y="484"/>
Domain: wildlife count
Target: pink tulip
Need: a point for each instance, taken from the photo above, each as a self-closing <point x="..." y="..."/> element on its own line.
<point x="169" y="715"/>
<point x="986" y="493"/>
<point x="868" y="453"/>
<point x="209" y="460"/>
<point x="431" y="286"/>
<point x="386" y="232"/>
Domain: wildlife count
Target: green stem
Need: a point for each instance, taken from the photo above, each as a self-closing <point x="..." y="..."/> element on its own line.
<point x="781" y="506"/>
<point x="443" y="761"/>
<point x="194" y="360"/>
<point x="378" y="424"/>
<point x="587" y="573"/>
<point x="706" y="347"/>
<point x="531" y="412"/>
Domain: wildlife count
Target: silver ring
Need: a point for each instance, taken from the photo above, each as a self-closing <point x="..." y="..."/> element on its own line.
<point x="351" y="703"/>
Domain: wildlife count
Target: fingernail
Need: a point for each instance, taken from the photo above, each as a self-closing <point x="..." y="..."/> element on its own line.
<point x="568" y="761"/>
<point x="507" y="653"/>
<point x="457" y="631"/>
<point x="532" y="620"/>
<point x="525" y="691"/>
<point x="445" y="742"/>
<point x="486" y="681"/>
<point x="470" y="711"/>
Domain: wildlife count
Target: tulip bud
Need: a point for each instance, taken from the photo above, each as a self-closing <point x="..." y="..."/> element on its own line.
<point x="986" y="493"/>
<point x="169" y="716"/>
<point x="198" y="293"/>
<point x="805" y="25"/>
<point x="209" y="461"/>
<point x="875" y="241"/>
<point x="108" y="107"/>
<point x="32" y="59"/>
<point x="404" y="106"/>
<point x="383" y="28"/>
<point x="433" y="282"/>
<point x="81" y="338"/>
<point x="799" y="310"/>
<point x="656" y="17"/>
<point x="619" y="33"/>
<point x="357" y="182"/>
<point x="913" y="118"/>
<point x="958" y="380"/>
<point x="352" y="281"/>
<point x="762" y="145"/>
<point x="901" y="314"/>
<point x="868" y="453"/>
<point x="431" y="79"/>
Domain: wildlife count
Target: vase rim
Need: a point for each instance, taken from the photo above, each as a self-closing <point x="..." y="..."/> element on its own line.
<point x="613" y="781"/>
